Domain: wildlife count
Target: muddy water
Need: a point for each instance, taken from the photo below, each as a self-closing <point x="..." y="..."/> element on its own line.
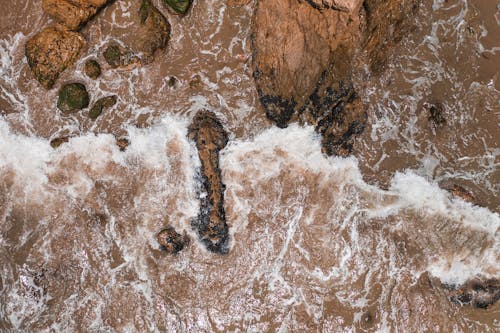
<point x="318" y="244"/>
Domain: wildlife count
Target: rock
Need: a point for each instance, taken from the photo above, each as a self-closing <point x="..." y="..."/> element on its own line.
<point x="303" y="60"/>
<point x="154" y="30"/>
<point x="72" y="13"/>
<point x="55" y="143"/>
<point x="179" y="6"/>
<point x="72" y="97"/>
<point x="171" y="241"/>
<point x="462" y="193"/>
<point x="195" y="81"/>
<point x="100" y="105"/>
<point x="122" y="143"/>
<point x="117" y="56"/>
<point x="436" y="113"/>
<point x="210" y="137"/>
<point x="92" y="69"/>
<point x="477" y="293"/>
<point x="51" y="51"/>
<point x="172" y="81"/>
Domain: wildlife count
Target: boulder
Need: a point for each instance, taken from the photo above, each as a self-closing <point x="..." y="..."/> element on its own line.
<point x="479" y="293"/>
<point x="171" y="241"/>
<point x="72" y="97"/>
<point x="100" y="105"/>
<point x="92" y="69"/>
<point x="210" y="137"/>
<point x="51" y="51"/>
<point x="154" y="30"/>
<point x="72" y="13"/>
<point x="305" y="54"/>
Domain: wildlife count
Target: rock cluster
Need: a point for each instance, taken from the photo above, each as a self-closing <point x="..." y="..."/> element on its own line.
<point x="303" y="60"/>
<point x="210" y="137"/>
<point x="477" y="293"/>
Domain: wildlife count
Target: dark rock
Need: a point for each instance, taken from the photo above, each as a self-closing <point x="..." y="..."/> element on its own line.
<point x="117" y="56"/>
<point x="477" y="293"/>
<point x="122" y="143"/>
<point x="462" y="193"/>
<point x="179" y="6"/>
<point x="155" y="30"/>
<point x="171" y="241"/>
<point x="51" y="51"/>
<point x="101" y="104"/>
<point x="210" y="137"/>
<point x="436" y="113"/>
<point x="72" y="13"/>
<point x="172" y="81"/>
<point x="92" y="69"/>
<point x="195" y="81"/>
<point x="72" y="97"/>
<point x="55" y="143"/>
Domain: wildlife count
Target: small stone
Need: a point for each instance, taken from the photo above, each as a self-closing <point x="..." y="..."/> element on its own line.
<point x="172" y="81"/>
<point x="462" y="193"/>
<point x="171" y="241"/>
<point x="117" y="56"/>
<point x="179" y="6"/>
<point x="72" y="97"/>
<point x="195" y="81"/>
<point x="122" y="143"/>
<point x="55" y="143"/>
<point x="436" y="113"/>
<point x="101" y="104"/>
<point x="92" y="69"/>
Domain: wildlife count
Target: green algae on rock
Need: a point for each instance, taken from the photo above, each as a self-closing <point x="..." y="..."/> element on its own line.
<point x="92" y="69"/>
<point x="179" y="6"/>
<point x="117" y="56"/>
<point x="154" y="30"/>
<point x="100" y="105"/>
<point x="72" y="97"/>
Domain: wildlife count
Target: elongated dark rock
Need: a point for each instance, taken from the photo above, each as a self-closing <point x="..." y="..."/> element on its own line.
<point x="210" y="137"/>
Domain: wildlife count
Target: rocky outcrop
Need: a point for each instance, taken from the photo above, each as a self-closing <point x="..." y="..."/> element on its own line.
<point x="51" y="51"/>
<point x="72" y="13"/>
<point x="92" y="69"/>
<point x="210" y="137"/>
<point x="171" y="241"/>
<point x="178" y="6"/>
<point x="477" y="293"/>
<point x="100" y="105"/>
<point x="305" y="54"/>
<point x="72" y="97"/>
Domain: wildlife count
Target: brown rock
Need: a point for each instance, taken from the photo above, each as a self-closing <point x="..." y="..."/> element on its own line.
<point x="51" y="51"/>
<point x="462" y="193"/>
<point x="122" y="143"/>
<point x="210" y="137"/>
<point x="118" y="56"/>
<point x="171" y="241"/>
<point x="303" y="60"/>
<point x="72" y="13"/>
<point x="101" y="104"/>
<point x="55" y="143"/>
<point x="154" y="30"/>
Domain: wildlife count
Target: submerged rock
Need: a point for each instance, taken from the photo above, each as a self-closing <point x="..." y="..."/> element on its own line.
<point x="462" y="193"/>
<point x="179" y="6"/>
<point x="122" y="143"/>
<point x="477" y="293"/>
<point x="55" y="143"/>
<point x="154" y="30"/>
<point x="210" y="137"/>
<point x="72" y="13"/>
<point x="72" y="97"/>
<point x="51" y="51"/>
<point x="436" y="113"/>
<point x="171" y="241"/>
<point x="92" y="69"/>
<point x="118" y="56"/>
<point x="101" y="104"/>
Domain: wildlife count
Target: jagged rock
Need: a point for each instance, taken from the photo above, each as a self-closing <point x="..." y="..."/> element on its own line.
<point x="72" y="13"/>
<point x="101" y="104"/>
<point x="51" y="51"/>
<point x="171" y="241"/>
<point x="477" y="293"/>
<point x="179" y="6"/>
<point x="210" y="137"/>
<point x="303" y="60"/>
<point x="55" y="143"/>
<point x="72" y="97"/>
<point x="92" y="69"/>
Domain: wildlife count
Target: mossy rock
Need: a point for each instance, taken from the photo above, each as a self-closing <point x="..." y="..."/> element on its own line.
<point x="72" y="97"/>
<point x="113" y="55"/>
<point x="92" y="69"/>
<point x="179" y="6"/>
<point x="101" y="104"/>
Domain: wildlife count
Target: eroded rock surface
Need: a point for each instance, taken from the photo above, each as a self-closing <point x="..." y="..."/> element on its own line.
<point x="51" y="51"/>
<point x="210" y="137"/>
<point x="72" y="13"/>
<point x="171" y="241"/>
<point x="477" y="293"/>
<point x="305" y="54"/>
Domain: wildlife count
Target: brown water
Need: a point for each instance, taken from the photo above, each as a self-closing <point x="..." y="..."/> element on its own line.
<point x="318" y="244"/>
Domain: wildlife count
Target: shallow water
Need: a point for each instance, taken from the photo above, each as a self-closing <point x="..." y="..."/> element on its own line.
<point x="318" y="244"/>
